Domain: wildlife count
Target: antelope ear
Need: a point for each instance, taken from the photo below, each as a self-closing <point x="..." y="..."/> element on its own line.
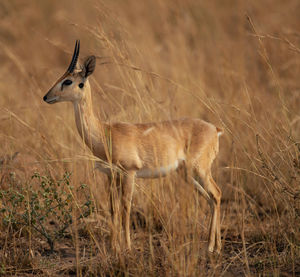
<point x="89" y="66"/>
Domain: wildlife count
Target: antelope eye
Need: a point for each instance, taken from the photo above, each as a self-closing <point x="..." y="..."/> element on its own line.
<point x="67" y="82"/>
<point x="81" y="85"/>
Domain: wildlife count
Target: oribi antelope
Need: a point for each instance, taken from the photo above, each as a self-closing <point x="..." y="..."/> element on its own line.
<point x="142" y="150"/>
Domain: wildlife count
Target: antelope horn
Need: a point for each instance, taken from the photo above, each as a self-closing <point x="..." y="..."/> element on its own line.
<point x="75" y="57"/>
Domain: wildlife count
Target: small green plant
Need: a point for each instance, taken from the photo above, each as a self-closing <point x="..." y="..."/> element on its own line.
<point x="45" y="205"/>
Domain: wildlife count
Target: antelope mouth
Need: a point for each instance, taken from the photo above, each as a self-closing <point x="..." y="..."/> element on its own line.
<point x="50" y="100"/>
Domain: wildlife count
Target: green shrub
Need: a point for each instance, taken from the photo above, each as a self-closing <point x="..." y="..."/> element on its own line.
<point x="39" y="206"/>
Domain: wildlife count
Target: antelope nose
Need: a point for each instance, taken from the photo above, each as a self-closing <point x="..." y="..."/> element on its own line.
<point x="45" y="98"/>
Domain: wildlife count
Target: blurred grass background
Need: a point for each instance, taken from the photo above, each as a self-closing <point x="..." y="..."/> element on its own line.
<point x="233" y="63"/>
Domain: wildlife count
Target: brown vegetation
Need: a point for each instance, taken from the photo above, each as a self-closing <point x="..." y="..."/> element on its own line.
<point x="233" y="63"/>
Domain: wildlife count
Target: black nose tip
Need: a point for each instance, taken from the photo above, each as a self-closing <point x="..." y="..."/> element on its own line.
<point x="45" y="98"/>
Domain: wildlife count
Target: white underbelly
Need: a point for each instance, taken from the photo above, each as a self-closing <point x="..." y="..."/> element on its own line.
<point x="146" y="172"/>
<point x="157" y="172"/>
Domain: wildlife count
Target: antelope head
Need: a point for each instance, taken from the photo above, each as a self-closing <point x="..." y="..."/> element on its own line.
<point x="72" y="86"/>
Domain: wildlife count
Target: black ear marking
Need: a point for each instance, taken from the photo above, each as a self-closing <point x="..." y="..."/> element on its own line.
<point x="89" y="65"/>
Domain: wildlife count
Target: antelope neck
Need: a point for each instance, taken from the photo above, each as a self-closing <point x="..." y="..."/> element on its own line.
<point x="88" y="126"/>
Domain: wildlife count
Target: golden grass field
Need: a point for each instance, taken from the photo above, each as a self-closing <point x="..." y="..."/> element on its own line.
<point x="233" y="63"/>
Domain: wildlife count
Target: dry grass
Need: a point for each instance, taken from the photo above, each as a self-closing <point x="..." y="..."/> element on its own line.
<point x="233" y="63"/>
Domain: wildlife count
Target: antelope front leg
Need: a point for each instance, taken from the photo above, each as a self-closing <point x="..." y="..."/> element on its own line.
<point x="114" y="205"/>
<point x="127" y="192"/>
